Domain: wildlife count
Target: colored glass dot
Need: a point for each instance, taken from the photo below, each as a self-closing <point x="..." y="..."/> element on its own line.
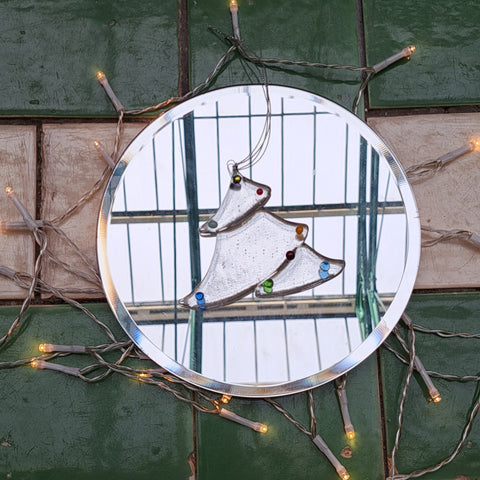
<point x="212" y="224"/>
<point x="323" y="274"/>
<point x="268" y="283"/>
<point x="259" y="191"/>
<point x="267" y="290"/>
<point x="325" y="266"/>
<point x="290" y="255"/>
<point x="237" y="179"/>
<point x="199" y="296"/>
<point x="299" y="230"/>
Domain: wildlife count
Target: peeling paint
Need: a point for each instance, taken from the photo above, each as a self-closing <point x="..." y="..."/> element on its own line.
<point x="347" y="452"/>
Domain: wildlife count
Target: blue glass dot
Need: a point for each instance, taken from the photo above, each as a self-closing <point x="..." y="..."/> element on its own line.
<point x="199" y="296"/>
<point x="325" y="266"/>
<point x="323" y="274"/>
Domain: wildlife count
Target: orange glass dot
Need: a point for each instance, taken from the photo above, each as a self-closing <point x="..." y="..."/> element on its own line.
<point x="299" y="230"/>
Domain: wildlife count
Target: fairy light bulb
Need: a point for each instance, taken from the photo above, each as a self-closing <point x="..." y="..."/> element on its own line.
<point x="43" y="365"/>
<point x="234" y="15"/>
<point x="257" y="426"/>
<point x="30" y="223"/>
<point x="103" y="153"/>
<point x="342" y="398"/>
<point x="448" y="157"/>
<point x="404" y="53"/>
<point x="437" y="399"/>
<point x="225" y="399"/>
<point x="50" y="347"/>
<point x="102" y="79"/>
<point x="476" y="144"/>
<point x="323" y="447"/>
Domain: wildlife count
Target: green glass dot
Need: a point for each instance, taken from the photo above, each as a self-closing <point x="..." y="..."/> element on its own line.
<point x="237" y="179"/>
<point x="268" y="283"/>
<point x="267" y="289"/>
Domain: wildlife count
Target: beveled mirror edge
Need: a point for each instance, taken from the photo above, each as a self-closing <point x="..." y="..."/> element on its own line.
<point x="365" y="349"/>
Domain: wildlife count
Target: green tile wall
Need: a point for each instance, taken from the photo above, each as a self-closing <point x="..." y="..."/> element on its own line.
<point x="52" y="49"/>
<point x="432" y="430"/>
<point x="313" y="32"/>
<point x="444" y="69"/>
<point x="54" y="426"/>
<point x="226" y="451"/>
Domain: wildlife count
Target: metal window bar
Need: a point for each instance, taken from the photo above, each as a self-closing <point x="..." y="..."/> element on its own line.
<point x="196" y="317"/>
<point x="160" y="256"/>
<point x="174" y="202"/>
<point x="129" y="246"/>
<point x="217" y="126"/>
<point x="372" y="240"/>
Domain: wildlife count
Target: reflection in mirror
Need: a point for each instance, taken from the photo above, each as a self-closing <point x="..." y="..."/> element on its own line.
<point x="326" y="170"/>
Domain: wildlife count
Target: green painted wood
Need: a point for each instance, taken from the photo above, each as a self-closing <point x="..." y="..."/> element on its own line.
<point x="432" y="430"/>
<point x="53" y="426"/>
<point x="52" y="49"/>
<point x="302" y="30"/>
<point x="227" y="450"/>
<point x="444" y="68"/>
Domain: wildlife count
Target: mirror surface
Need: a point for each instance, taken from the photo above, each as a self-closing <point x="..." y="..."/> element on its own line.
<point x="327" y="170"/>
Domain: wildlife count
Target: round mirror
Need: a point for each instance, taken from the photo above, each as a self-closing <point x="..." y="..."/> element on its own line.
<point x="267" y="280"/>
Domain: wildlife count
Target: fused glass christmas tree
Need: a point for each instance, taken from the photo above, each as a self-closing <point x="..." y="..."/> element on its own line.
<point x="256" y="251"/>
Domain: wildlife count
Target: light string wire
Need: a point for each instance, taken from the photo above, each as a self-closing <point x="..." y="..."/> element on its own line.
<point x="406" y="385"/>
<point x="312" y="433"/>
<point x="33" y="283"/>
<point x="41" y="239"/>
<point x="448" y="235"/>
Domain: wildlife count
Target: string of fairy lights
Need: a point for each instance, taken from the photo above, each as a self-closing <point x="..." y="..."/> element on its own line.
<point x="126" y="351"/>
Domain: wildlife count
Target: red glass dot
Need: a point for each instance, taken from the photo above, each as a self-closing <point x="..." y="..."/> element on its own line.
<point x="290" y="255"/>
<point x="259" y="191"/>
